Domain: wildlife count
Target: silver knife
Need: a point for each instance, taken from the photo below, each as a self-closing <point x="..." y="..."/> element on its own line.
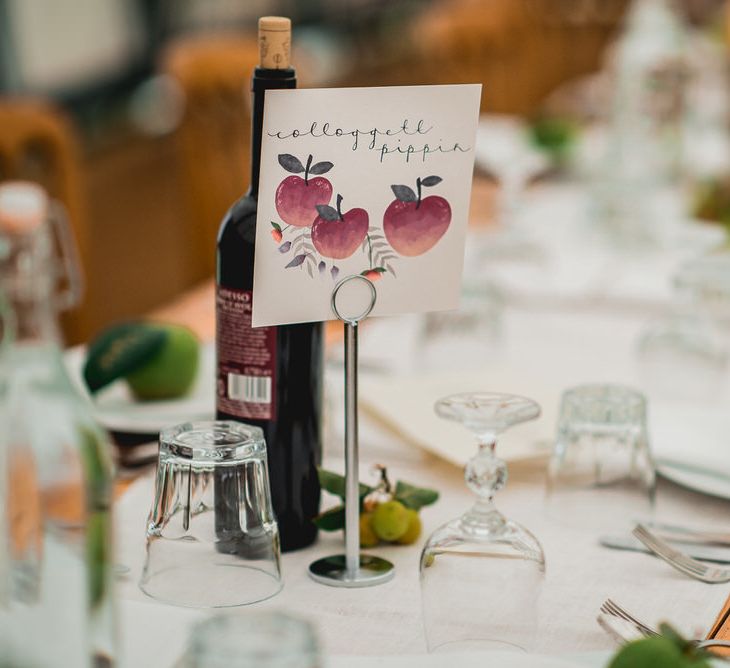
<point x="719" y="555"/>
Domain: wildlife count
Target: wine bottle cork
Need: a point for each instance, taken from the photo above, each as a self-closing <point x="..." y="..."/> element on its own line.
<point x="274" y="42"/>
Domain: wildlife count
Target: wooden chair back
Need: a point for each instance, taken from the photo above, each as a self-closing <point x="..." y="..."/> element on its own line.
<point x="38" y="143"/>
<point x="213" y="140"/>
<point x="521" y="51"/>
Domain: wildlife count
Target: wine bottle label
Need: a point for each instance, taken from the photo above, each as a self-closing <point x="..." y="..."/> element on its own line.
<point x="246" y="358"/>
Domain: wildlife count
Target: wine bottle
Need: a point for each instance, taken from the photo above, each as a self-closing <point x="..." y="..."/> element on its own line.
<point x="270" y="377"/>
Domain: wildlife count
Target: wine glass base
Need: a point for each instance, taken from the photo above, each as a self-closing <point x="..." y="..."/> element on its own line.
<point x="333" y="571"/>
<point x="502" y="537"/>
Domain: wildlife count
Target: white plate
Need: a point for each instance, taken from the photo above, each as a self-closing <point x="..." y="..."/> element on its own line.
<point x="691" y="443"/>
<point x="117" y="410"/>
<point x="696" y="479"/>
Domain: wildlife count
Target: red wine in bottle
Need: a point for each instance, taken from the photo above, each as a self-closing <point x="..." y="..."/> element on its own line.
<point x="270" y="377"/>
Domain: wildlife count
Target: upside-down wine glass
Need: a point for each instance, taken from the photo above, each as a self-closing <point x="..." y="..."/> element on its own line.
<point x="481" y="574"/>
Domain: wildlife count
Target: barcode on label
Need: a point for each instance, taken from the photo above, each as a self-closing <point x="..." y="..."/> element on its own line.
<point x="254" y="389"/>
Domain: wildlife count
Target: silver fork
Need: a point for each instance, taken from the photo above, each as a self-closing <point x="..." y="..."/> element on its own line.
<point x="682" y="562"/>
<point x="618" y="628"/>
<point x="610" y="607"/>
<point x="627" y="623"/>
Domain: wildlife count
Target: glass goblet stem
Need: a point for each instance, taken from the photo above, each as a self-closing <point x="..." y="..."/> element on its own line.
<point x="485" y="475"/>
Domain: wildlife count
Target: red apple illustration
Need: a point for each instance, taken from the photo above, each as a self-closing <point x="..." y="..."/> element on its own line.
<point x="276" y="233"/>
<point x="297" y="197"/>
<point x="413" y="225"/>
<point x="338" y="235"/>
<point x="373" y="274"/>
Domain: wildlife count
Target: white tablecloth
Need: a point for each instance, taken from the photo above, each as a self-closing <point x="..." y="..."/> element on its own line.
<point x="385" y="620"/>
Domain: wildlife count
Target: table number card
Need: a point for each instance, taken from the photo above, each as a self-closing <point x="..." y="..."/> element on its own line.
<point x="371" y="181"/>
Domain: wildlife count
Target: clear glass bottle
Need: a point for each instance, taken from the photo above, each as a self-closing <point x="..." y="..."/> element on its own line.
<point x="55" y="470"/>
<point x="649" y="102"/>
<point x="635" y="196"/>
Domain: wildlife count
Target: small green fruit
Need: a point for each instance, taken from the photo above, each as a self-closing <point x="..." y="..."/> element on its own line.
<point x="171" y="372"/>
<point x="368" y="538"/>
<point x="414" y="528"/>
<point x="390" y="520"/>
<point x="654" y="652"/>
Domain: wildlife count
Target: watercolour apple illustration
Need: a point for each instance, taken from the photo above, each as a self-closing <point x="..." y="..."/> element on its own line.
<point x="338" y="235"/>
<point x="297" y="197"/>
<point x="413" y="225"/>
<point x="373" y="274"/>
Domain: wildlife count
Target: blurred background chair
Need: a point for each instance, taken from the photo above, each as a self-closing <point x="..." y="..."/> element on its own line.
<point x="213" y="141"/>
<point x="158" y="94"/>
<point x="38" y="143"/>
<point x="521" y="51"/>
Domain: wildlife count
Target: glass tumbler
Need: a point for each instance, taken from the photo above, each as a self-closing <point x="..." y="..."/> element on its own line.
<point x="601" y="473"/>
<point x="212" y="540"/>
<point x="690" y="342"/>
<point x="260" y="640"/>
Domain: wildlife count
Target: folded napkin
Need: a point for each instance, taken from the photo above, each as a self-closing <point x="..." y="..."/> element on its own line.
<point x="404" y="405"/>
<point x="539" y="355"/>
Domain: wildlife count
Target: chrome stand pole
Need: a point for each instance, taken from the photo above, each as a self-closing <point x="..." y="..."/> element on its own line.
<point x="351" y="569"/>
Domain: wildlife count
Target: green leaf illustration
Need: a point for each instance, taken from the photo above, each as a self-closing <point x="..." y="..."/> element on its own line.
<point x="404" y="193"/>
<point x="320" y="168"/>
<point x="296" y="262"/>
<point x="327" y="212"/>
<point x="291" y="163"/>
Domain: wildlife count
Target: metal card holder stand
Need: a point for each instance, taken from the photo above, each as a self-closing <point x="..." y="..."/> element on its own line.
<point x="351" y="569"/>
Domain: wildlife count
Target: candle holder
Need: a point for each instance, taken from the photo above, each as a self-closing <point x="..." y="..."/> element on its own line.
<point x="352" y="569"/>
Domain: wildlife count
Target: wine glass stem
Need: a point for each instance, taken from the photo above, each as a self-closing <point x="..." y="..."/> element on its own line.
<point x="485" y="474"/>
<point x="487" y="453"/>
<point x="483" y="507"/>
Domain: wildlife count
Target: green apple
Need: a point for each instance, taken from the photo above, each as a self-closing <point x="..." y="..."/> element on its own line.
<point x="652" y="653"/>
<point x="390" y="520"/>
<point x="171" y="371"/>
<point x="368" y="537"/>
<point x="414" y="528"/>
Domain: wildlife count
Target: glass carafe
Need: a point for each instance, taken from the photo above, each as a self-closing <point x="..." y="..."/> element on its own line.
<point x="55" y="471"/>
